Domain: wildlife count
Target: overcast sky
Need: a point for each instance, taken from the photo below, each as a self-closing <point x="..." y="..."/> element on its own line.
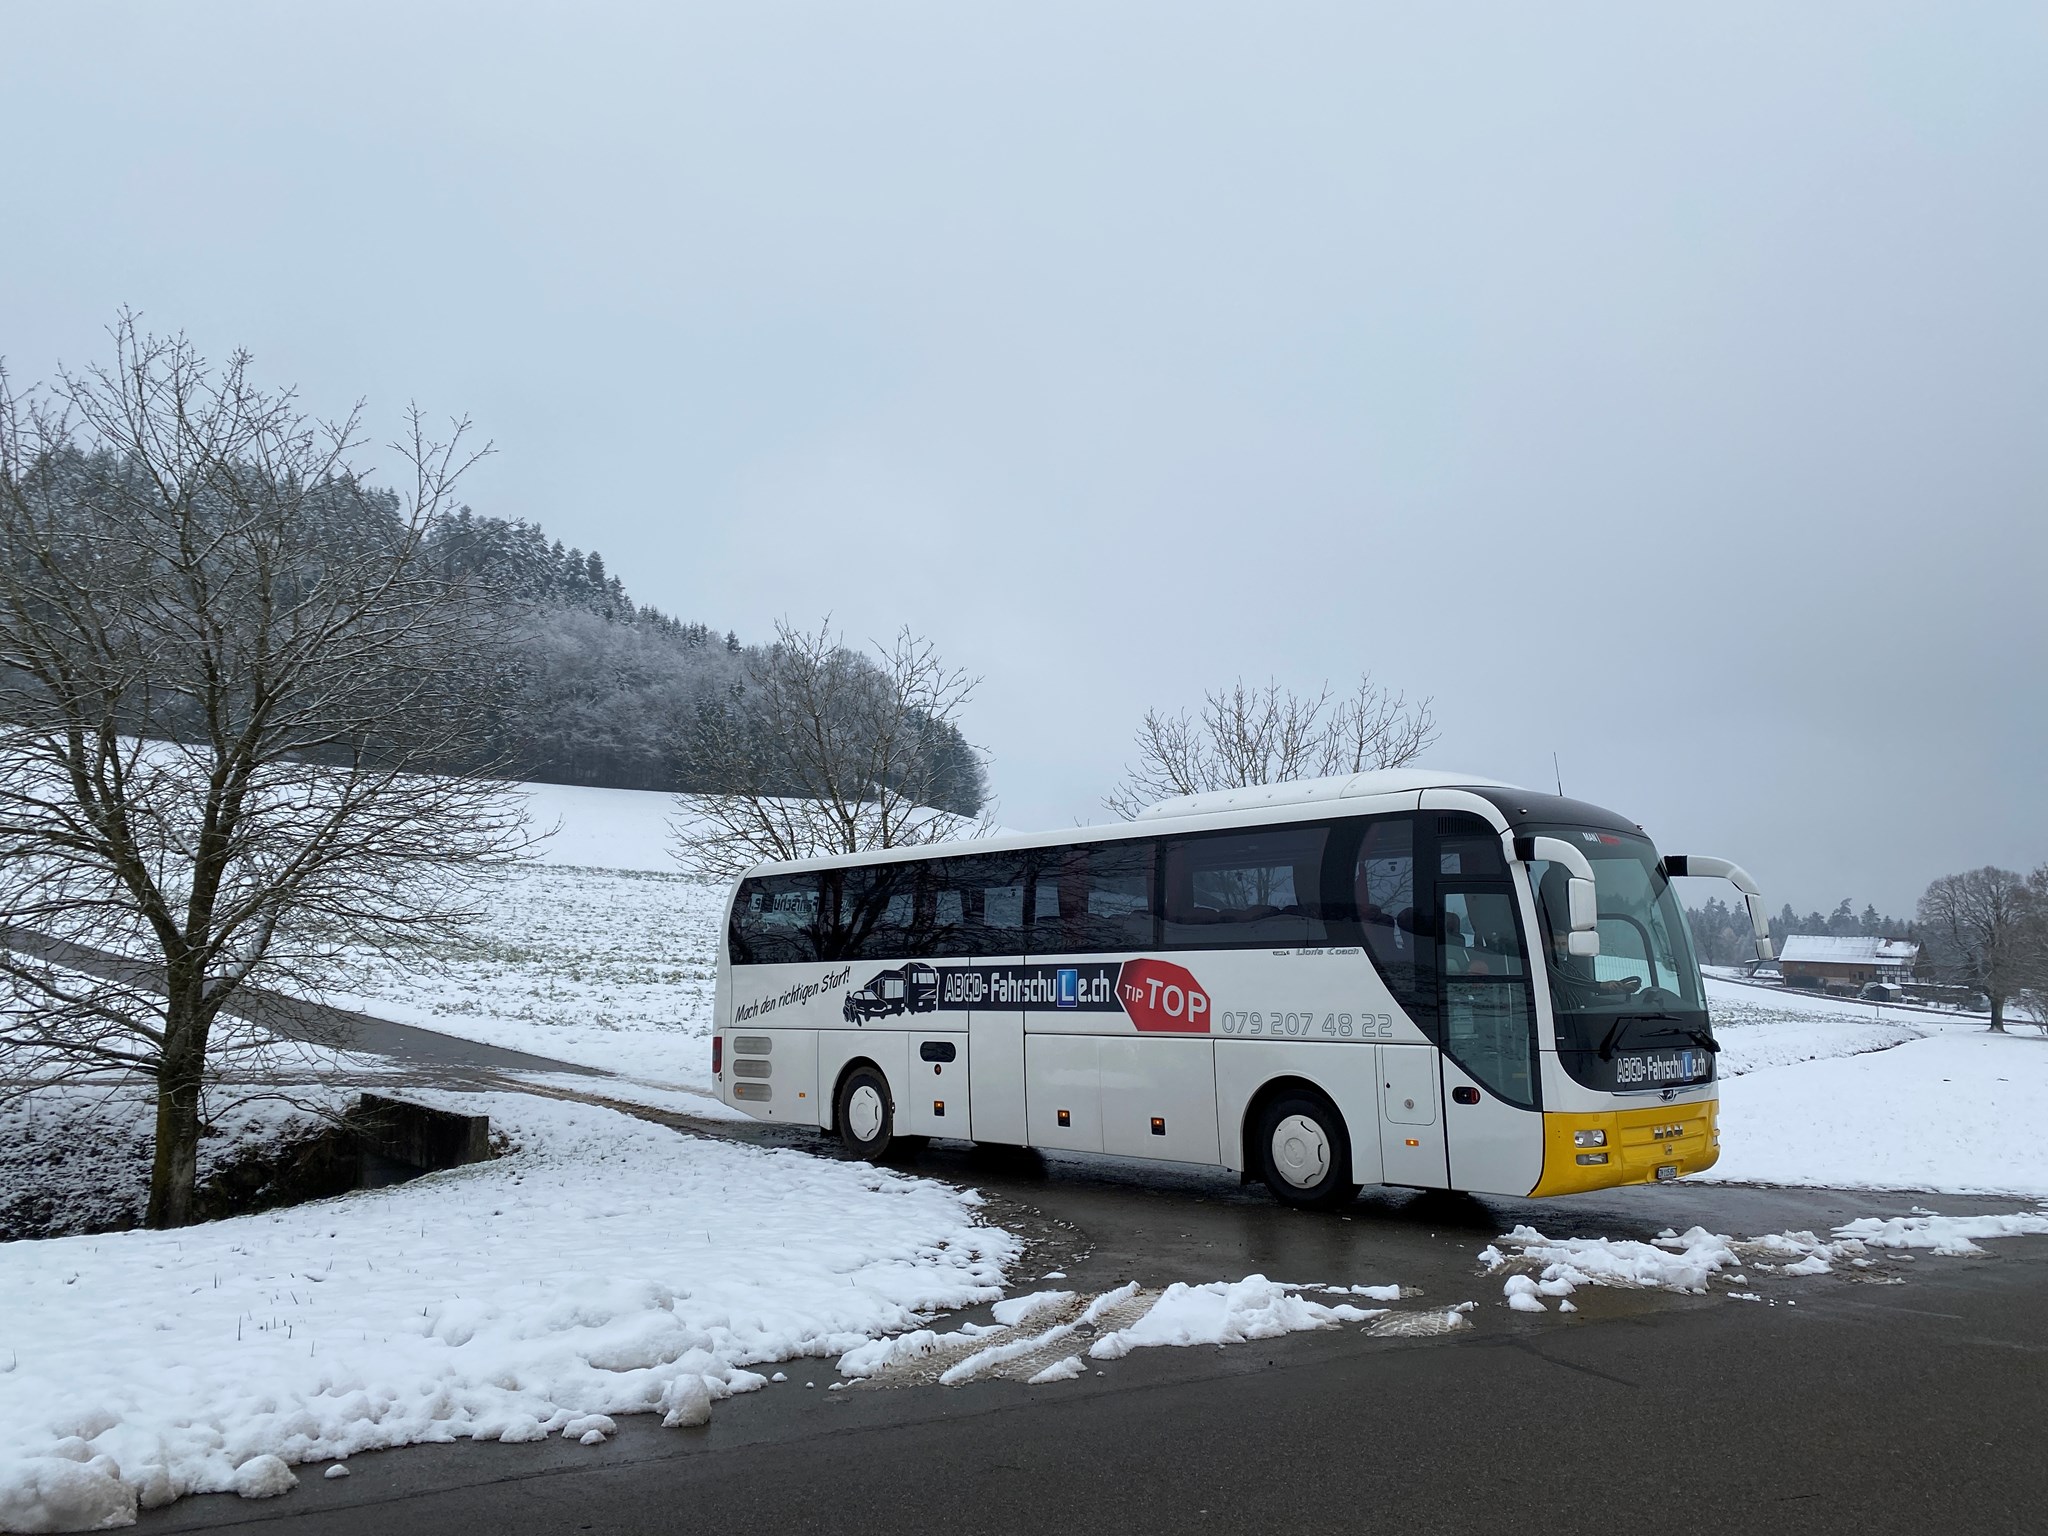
<point x="1666" y="392"/>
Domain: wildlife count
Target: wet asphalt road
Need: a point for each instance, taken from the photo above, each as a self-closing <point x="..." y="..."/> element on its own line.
<point x="1911" y="1400"/>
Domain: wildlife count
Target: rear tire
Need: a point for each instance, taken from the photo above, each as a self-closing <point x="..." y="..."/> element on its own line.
<point x="1304" y="1152"/>
<point x="865" y="1114"/>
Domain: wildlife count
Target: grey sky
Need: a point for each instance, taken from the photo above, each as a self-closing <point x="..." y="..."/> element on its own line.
<point x="1663" y="391"/>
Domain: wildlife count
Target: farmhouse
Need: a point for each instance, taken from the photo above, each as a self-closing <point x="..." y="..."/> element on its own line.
<point x="1837" y="964"/>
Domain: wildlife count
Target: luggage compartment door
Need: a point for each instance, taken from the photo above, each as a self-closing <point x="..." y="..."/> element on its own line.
<point x="937" y="1087"/>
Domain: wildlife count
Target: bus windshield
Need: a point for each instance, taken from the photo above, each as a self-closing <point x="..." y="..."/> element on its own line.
<point x="1643" y="988"/>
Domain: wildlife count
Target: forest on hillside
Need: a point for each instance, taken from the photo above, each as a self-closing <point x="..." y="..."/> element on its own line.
<point x="596" y="688"/>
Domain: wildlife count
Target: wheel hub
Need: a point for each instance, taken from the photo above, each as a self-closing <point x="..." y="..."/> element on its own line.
<point x="864" y="1112"/>
<point x="1301" y="1151"/>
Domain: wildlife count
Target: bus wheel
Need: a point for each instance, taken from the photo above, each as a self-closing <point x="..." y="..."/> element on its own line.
<point x="1304" y="1152"/>
<point x="863" y="1114"/>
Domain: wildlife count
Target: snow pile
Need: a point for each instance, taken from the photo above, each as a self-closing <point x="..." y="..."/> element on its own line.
<point x="605" y="1267"/>
<point x="1014" y="1311"/>
<point x="1224" y="1312"/>
<point x="1942" y="1234"/>
<point x="1042" y="1338"/>
<point x="1673" y="1263"/>
<point x="1547" y="1268"/>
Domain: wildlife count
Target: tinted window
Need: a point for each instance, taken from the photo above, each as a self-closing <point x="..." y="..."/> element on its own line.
<point x="775" y="920"/>
<point x="1246" y="888"/>
<point x="1467" y="848"/>
<point x="977" y="905"/>
<point x="1093" y="898"/>
<point x="869" y="914"/>
<point x="1396" y="928"/>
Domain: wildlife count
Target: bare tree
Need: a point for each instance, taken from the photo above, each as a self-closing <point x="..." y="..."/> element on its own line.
<point x="2033" y="965"/>
<point x="224" y="669"/>
<point x="1268" y="735"/>
<point x="1989" y="922"/>
<point x="830" y="751"/>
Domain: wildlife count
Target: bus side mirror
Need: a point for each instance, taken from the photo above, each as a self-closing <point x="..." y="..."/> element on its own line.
<point x="1581" y="898"/>
<point x="1584" y="901"/>
<point x="1735" y="874"/>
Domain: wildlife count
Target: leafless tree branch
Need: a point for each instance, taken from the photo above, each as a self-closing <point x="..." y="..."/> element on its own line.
<point x="1249" y="735"/>
<point x="835" y="753"/>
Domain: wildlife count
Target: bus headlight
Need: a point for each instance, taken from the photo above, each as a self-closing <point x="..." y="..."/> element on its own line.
<point x="1589" y="1138"/>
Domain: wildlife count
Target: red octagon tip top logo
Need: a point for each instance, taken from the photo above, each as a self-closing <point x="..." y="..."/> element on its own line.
<point x="1163" y="998"/>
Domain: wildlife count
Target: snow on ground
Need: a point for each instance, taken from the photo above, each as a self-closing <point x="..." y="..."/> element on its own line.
<point x="611" y="969"/>
<point x="1051" y="1336"/>
<point x="605" y="1266"/>
<point x="1759" y="1028"/>
<point x="1225" y="1312"/>
<point x="76" y="1158"/>
<point x="1544" y="1269"/>
<point x="1960" y="1111"/>
<point x="604" y="828"/>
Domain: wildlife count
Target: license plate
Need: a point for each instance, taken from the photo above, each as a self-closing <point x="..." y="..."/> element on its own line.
<point x="1662" y="1069"/>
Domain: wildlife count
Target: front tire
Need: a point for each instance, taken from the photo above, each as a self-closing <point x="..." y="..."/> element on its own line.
<point x="1304" y="1152"/>
<point x="865" y="1114"/>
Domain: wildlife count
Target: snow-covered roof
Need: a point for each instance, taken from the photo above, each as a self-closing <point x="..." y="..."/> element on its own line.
<point x="1828" y="949"/>
<point x="1341" y="786"/>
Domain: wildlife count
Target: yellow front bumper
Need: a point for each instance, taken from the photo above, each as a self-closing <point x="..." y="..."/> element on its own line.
<point x="1680" y="1137"/>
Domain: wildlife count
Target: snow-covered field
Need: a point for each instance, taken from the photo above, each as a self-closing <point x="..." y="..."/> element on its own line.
<point x="604" y="968"/>
<point x="601" y="953"/>
<point x="1839" y="1094"/>
<point x="1961" y="1110"/>
<point x="606" y="1266"/>
<point x="1759" y="1028"/>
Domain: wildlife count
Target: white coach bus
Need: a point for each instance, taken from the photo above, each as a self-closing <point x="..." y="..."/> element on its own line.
<point x="1398" y="977"/>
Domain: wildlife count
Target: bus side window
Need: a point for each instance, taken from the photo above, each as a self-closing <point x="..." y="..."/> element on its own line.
<point x="1094" y="898"/>
<point x="869" y="914"/>
<point x="1396" y="933"/>
<point x="1245" y="889"/>
<point x="977" y="905"/>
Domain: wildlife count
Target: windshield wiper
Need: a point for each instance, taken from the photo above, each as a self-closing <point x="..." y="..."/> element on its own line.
<point x="1613" y="1035"/>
